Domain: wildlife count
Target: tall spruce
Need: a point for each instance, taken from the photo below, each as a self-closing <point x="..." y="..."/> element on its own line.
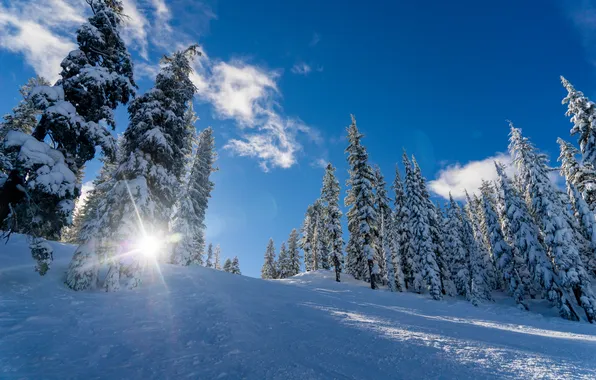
<point x="216" y="259"/>
<point x="332" y="219"/>
<point x="362" y="216"/>
<point x="293" y="253"/>
<point x="551" y="216"/>
<point x="428" y="275"/>
<point x="283" y="262"/>
<point x="235" y="266"/>
<point x="455" y="248"/>
<point x="443" y="260"/>
<point x="307" y="239"/>
<point x="583" y="117"/>
<point x="189" y="219"/>
<point x="383" y="209"/>
<point x="209" y="261"/>
<point x="402" y="233"/>
<point x="227" y="266"/>
<point x="320" y="250"/>
<point x="268" y="271"/>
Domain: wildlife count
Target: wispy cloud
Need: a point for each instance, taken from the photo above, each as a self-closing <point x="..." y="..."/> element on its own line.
<point x="248" y="94"/>
<point x="319" y="163"/>
<point x="583" y="15"/>
<point x="301" y="68"/>
<point x="458" y="178"/>
<point x="316" y="38"/>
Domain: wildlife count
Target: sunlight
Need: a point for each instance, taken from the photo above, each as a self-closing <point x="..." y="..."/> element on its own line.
<point x="148" y="246"/>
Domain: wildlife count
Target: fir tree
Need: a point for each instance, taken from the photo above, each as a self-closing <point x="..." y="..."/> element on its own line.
<point x="383" y="209"/>
<point x="268" y="271"/>
<point x="387" y="253"/>
<point x="443" y="260"/>
<point x="482" y="251"/>
<point x="510" y="263"/>
<point x="209" y="262"/>
<point x="235" y="267"/>
<point x="557" y="234"/>
<point x="293" y="254"/>
<point x="189" y="219"/>
<point x="283" y="262"/>
<point x="456" y="250"/>
<point x="411" y="260"/>
<point x="402" y="234"/>
<point x="422" y="242"/>
<point x="332" y="219"/>
<point x="227" y="265"/>
<point x="217" y="254"/>
<point x="320" y="251"/>
<point x="307" y="239"/>
<point x="362" y="217"/>
<point x="583" y="117"/>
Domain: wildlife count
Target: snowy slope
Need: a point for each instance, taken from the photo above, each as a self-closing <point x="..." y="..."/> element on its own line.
<point x="198" y="323"/>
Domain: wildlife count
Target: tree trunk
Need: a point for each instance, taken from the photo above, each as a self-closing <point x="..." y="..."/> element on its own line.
<point x="373" y="285"/>
<point x="10" y="194"/>
<point x="337" y="267"/>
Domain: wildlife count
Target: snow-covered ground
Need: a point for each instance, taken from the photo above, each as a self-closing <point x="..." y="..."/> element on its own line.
<point x="199" y="323"/>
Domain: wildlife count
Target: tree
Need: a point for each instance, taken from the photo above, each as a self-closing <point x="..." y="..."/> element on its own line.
<point x="293" y="254"/>
<point x="583" y="117"/>
<point x="383" y="209"/>
<point x="320" y="251"/>
<point x="557" y="234"/>
<point x="510" y="263"/>
<point x="155" y="146"/>
<point x="362" y="217"/>
<point x="402" y="233"/>
<point x="482" y="252"/>
<point x="307" y="239"/>
<point x="217" y="254"/>
<point x="438" y="238"/>
<point x="209" y="263"/>
<point x="189" y="219"/>
<point x="455" y="249"/>
<point x="422" y="242"/>
<point x="235" y="267"/>
<point x="268" y="271"/>
<point x="283" y="263"/>
<point x="227" y="266"/>
<point x="332" y="219"/>
<point x="412" y="264"/>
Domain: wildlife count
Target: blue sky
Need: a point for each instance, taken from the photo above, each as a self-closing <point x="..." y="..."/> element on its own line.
<point x="279" y="79"/>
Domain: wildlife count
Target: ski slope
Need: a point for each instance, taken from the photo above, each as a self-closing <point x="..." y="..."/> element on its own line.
<point x="198" y="323"/>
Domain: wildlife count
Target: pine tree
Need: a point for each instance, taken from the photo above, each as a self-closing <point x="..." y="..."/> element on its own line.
<point x="283" y="262"/>
<point x="209" y="262"/>
<point x="235" y="267"/>
<point x="443" y="261"/>
<point x="402" y="234"/>
<point x="332" y="219"/>
<point x="422" y="242"/>
<point x="383" y="209"/>
<point x="557" y="234"/>
<point x="293" y="254"/>
<point x="583" y="117"/>
<point x="307" y="239"/>
<point x="268" y="270"/>
<point x="227" y="265"/>
<point x="362" y="217"/>
<point x="155" y="146"/>
<point x="320" y="251"/>
<point x="510" y="263"/>
<point x="189" y="219"/>
<point x="387" y="253"/>
<point x="456" y="250"/>
<point x="482" y="251"/>
<point x="412" y="263"/>
<point x="217" y="254"/>
<point x="478" y="285"/>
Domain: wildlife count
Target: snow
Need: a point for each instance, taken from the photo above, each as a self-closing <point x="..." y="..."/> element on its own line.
<point x="199" y="323"/>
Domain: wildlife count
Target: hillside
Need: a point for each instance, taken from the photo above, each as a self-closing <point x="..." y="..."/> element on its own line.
<point x="199" y="323"/>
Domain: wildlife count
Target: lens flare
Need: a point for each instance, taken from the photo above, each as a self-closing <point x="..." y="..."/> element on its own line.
<point x="148" y="246"/>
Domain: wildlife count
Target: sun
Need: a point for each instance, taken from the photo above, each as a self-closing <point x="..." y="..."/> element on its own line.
<point x="149" y="246"/>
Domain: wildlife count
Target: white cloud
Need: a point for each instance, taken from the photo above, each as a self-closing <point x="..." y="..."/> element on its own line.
<point x="26" y="29"/>
<point x="247" y="94"/>
<point x="320" y="163"/>
<point x="135" y="28"/>
<point x="301" y="68"/>
<point x="458" y="178"/>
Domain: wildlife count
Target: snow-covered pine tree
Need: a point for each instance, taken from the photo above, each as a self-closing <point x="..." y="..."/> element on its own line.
<point x="557" y="233"/>
<point x="362" y="218"/>
<point x="386" y="242"/>
<point x="479" y="288"/>
<point x="209" y="262"/>
<point x="443" y="260"/>
<point x="401" y="233"/>
<point x="422" y="243"/>
<point x="23" y="118"/>
<point x="383" y="209"/>
<point x="227" y="265"/>
<point x="332" y="219"/>
<point x="320" y="251"/>
<point x="217" y="255"/>
<point x="412" y="263"/>
<point x="474" y="213"/>
<point x="293" y="254"/>
<point x="307" y="239"/>
<point x="583" y="117"/>
<point x="583" y="214"/>
<point x="268" y="271"/>
<point x="283" y="262"/>
<point x="156" y="144"/>
<point x="509" y="261"/>
<point x="235" y="267"/>
<point x="455" y="249"/>
<point x="189" y="219"/>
